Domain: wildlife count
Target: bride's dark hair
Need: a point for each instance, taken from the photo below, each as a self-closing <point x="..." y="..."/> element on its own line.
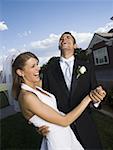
<point x="19" y="63"/>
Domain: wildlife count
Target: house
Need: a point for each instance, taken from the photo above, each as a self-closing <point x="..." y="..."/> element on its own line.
<point x="101" y="48"/>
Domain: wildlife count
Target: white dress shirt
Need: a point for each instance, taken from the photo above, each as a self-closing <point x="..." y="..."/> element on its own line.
<point x="63" y="65"/>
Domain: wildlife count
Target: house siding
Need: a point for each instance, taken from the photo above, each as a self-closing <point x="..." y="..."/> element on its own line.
<point x="104" y="72"/>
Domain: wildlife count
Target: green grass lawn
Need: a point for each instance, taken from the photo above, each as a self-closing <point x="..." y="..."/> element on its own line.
<point x="16" y="134"/>
<point x="105" y="129"/>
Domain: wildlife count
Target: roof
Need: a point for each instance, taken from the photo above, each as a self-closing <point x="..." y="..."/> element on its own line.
<point x="106" y="35"/>
<point x="111" y="31"/>
<point x="98" y="37"/>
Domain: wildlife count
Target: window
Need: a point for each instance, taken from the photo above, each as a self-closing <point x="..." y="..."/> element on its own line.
<point x="101" y="56"/>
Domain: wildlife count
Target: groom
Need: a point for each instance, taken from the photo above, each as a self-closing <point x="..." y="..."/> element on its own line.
<point x="69" y="95"/>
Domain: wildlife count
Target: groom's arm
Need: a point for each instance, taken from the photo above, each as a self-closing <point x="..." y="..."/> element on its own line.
<point x="94" y="84"/>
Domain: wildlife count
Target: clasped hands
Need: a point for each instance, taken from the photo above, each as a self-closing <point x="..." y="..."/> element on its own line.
<point x="96" y="95"/>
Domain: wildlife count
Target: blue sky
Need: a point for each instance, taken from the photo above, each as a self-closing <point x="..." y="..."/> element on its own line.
<point x="36" y="25"/>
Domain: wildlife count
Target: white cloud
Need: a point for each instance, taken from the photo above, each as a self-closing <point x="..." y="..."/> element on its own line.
<point x="46" y="43"/>
<point x="43" y="60"/>
<point x="83" y="39"/>
<point x="24" y="34"/>
<point x="47" y="48"/>
<point x="106" y="28"/>
<point x="3" y="26"/>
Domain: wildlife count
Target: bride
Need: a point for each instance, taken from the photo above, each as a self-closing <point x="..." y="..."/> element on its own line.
<point x="40" y="108"/>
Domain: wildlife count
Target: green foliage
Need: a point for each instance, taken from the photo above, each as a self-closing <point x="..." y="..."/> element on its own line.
<point x="82" y="54"/>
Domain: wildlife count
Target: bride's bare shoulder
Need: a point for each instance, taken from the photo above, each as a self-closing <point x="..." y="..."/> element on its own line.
<point x="25" y="96"/>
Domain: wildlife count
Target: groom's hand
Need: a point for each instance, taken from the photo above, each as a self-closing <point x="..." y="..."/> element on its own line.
<point x="98" y="94"/>
<point x="43" y="130"/>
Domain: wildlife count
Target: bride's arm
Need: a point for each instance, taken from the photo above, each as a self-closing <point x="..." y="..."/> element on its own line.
<point x="32" y="103"/>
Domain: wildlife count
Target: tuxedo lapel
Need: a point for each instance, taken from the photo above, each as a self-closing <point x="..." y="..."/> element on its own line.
<point x="58" y="75"/>
<point x="74" y="80"/>
<point x="74" y="83"/>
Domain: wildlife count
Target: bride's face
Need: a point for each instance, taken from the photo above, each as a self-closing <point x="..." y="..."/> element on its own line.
<point x="30" y="72"/>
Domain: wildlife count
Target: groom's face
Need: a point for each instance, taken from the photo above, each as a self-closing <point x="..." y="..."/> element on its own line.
<point x="66" y="43"/>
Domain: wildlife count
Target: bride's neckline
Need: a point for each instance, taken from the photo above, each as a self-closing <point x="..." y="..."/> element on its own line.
<point x="28" y="88"/>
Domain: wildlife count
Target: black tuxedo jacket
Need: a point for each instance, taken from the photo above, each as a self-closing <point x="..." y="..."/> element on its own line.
<point x="54" y="82"/>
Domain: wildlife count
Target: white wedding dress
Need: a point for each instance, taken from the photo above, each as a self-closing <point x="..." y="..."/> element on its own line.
<point x="59" y="138"/>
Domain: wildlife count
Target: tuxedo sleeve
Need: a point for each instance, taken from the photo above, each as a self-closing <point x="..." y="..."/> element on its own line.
<point x="93" y="77"/>
<point x="94" y="84"/>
